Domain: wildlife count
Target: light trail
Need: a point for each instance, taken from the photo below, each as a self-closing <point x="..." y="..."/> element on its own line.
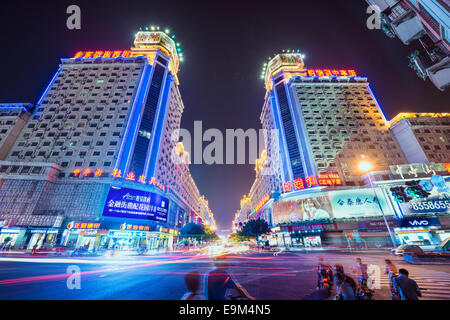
<point x="92" y="272"/>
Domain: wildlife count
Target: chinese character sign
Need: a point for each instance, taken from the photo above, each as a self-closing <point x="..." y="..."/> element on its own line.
<point x="358" y="203"/>
<point x="135" y="204"/>
<point x="102" y="54"/>
<point x="328" y="73"/>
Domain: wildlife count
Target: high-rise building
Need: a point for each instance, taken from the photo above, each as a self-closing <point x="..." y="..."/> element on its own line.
<point x="424" y="25"/>
<point x="423" y="137"/>
<point x="104" y="131"/>
<point x="327" y="120"/>
<point x="13" y="118"/>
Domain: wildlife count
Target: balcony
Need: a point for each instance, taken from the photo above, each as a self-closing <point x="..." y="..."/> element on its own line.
<point x="408" y="28"/>
<point x="383" y="4"/>
<point x="439" y="73"/>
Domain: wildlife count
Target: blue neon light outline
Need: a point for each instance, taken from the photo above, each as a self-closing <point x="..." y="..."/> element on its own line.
<point x="295" y="112"/>
<point x="48" y="86"/>
<point x="286" y="159"/>
<point x="159" y="125"/>
<point x="378" y="105"/>
<point x="121" y="162"/>
<point x="139" y="118"/>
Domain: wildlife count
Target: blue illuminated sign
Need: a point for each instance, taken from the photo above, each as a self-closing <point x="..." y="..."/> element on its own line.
<point x="135" y="204"/>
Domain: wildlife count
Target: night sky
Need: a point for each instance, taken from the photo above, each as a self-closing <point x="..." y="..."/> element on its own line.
<point x="225" y="44"/>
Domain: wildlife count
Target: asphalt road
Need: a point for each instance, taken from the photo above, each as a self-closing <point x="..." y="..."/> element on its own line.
<point x="266" y="276"/>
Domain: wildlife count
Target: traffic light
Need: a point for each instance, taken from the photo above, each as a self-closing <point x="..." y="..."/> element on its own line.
<point x="415" y="190"/>
<point x="399" y="194"/>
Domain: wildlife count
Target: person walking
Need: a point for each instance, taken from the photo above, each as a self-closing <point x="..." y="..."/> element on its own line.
<point x="405" y="287"/>
<point x="217" y="281"/>
<point x="391" y="271"/>
<point x="345" y="285"/>
<point x="192" y="280"/>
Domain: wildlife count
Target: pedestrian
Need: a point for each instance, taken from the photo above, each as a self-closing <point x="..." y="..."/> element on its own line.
<point x="344" y="290"/>
<point x="217" y="281"/>
<point x="361" y="272"/>
<point x="391" y="271"/>
<point x="405" y="287"/>
<point x="34" y="249"/>
<point x="192" y="280"/>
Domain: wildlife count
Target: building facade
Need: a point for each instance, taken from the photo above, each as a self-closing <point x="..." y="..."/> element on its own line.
<point x="96" y="165"/>
<point x="13" y="118"/>
<point x="326" y="122"/>
<point x="423" y="25"/>
<point x="423" y="137"/>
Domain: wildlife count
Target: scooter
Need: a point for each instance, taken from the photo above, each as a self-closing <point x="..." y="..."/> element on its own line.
<point x="326" y="280"/>
<point x="364" y="292"/>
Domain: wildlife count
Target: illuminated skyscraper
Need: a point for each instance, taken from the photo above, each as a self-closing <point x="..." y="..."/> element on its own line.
<point x="106" y="121"/>
<point x="327" y="120"/>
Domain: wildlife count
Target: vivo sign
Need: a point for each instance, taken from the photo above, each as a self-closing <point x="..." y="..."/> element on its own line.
<point x="408" y="223"/>
<point x="418" y="223"/>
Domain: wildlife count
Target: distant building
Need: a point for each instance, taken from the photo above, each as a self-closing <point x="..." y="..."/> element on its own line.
<point x="13" y="118"/>
<point x="423" y="137"/>
<point x="423" y="24"/>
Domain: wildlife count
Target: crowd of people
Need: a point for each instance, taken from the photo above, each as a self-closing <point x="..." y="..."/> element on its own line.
<point x="218" y="281"/>
<point x="401" y="287"/>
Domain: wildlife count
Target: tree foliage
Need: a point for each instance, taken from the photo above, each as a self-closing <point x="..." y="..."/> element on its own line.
<point x="199" y="231"/>
<point x="192" y="230"/>
<point x="254" y="228"/>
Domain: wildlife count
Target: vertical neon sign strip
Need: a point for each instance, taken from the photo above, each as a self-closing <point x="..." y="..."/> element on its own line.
<point x="160" y="116"/>
<point x="133" y="120"/>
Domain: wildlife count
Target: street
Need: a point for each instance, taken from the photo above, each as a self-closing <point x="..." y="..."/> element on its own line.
<point x="265" y="275"/>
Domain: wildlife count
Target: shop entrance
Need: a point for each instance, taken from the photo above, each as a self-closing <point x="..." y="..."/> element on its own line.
<point x="312" y="241"/>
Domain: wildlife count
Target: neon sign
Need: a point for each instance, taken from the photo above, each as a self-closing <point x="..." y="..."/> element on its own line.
<point x="87" y="173"/>
<point x="262" y="202"/>
<point x="330" y="179"/>
<point x="327" y="73"/>
<point x="102" y="54"/>
<point x="83" y="225"/>
<point x="134" y="227"/>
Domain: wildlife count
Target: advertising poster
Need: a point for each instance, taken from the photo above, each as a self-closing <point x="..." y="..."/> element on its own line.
<point x="357" y="203"/>
<point x="437" y="201"/>
<point x="304" y="208"/>
<point x="135" y="204"/>
<point x="180" y="217"/>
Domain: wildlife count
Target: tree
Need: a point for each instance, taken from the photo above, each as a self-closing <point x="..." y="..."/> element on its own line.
<point x="237" y="237"/>
<point x="255" y="228"/>
<point x="192" y="230"/>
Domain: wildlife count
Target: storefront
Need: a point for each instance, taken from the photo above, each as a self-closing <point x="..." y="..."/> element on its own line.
<point x="41" y="237"/>
<point x="9" y="236"/>
<point x="418" y="230"/>
<point x="83" y="234"/>
<point x="126" y="240"/>
<point x="374" y="233"/>
<point x="308" y="235"/>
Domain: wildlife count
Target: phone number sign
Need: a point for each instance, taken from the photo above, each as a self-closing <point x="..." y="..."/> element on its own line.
<point x="425" y="206"/>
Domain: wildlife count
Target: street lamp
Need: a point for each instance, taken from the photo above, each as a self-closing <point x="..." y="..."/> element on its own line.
<point x="365" y="167"/>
